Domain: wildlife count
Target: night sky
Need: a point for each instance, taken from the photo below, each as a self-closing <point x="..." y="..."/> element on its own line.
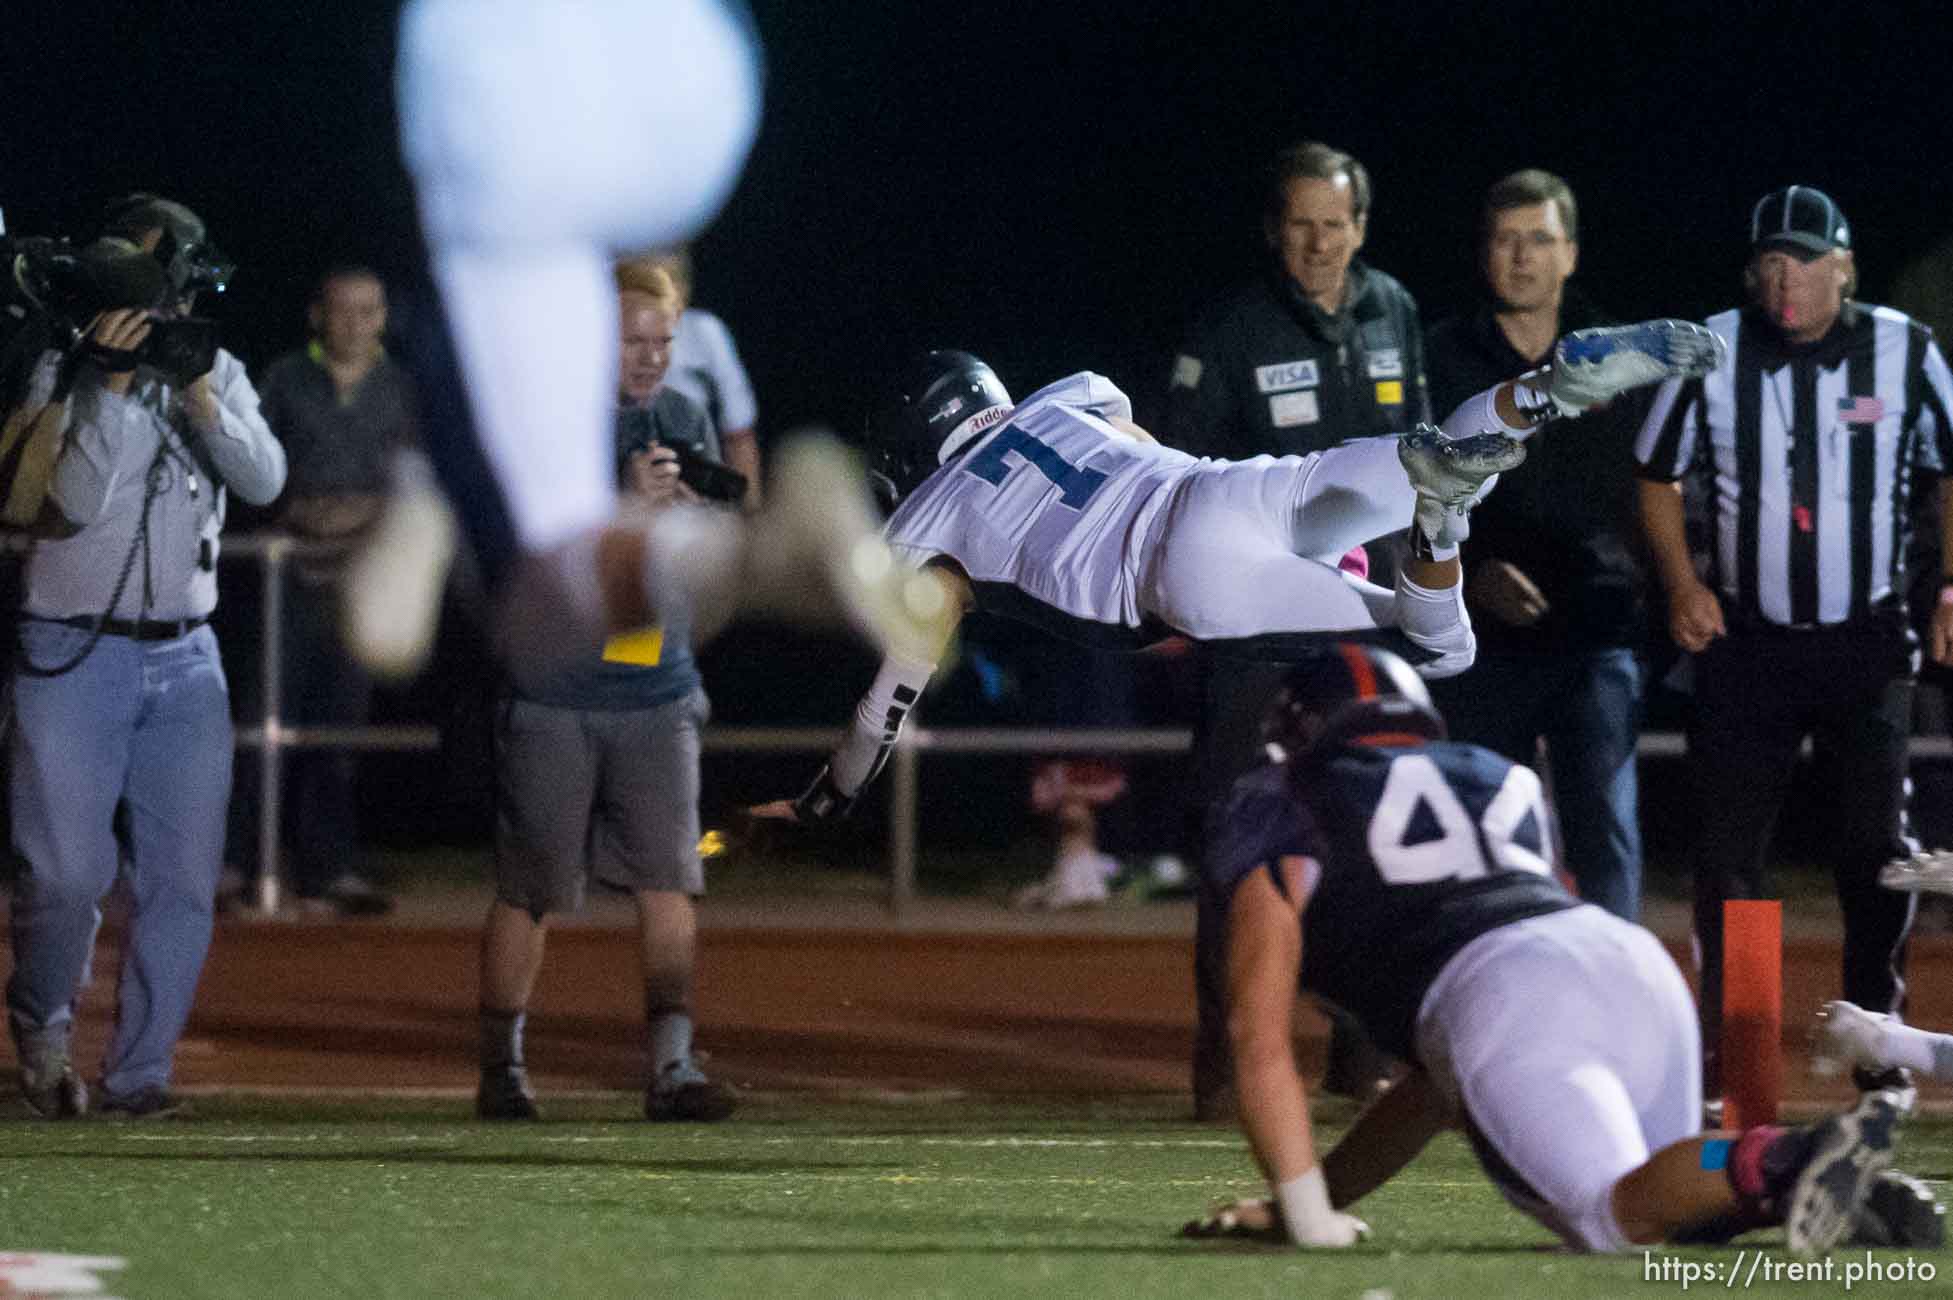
<point x="1054" y="185"/>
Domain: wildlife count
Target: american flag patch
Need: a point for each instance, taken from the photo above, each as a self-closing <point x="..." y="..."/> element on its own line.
<point x="1860" y="410"/>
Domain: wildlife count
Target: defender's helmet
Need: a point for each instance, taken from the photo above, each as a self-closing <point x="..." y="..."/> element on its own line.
<point x="944" y="400"/>
<point x="1348" y="691"/>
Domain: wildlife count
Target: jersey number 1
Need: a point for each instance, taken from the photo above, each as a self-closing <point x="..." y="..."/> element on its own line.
<point x="1447" y="845"/>
<point x="1075" y="485"/>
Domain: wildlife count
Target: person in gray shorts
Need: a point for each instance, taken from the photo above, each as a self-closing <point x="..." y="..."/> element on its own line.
<point x="597" y="776"/>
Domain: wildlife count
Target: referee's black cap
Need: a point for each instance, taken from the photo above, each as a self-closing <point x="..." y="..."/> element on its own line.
<point x="1799" y="219"/>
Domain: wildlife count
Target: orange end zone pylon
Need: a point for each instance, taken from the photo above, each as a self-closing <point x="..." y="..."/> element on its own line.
<point x="1752" y="1011"/>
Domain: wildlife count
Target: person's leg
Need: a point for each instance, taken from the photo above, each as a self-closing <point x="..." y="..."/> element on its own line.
<point x="1591" y="738"/>
<point x="69" y="757"/>
<point x="545" y="781"/>
<point x="327" y="689"/>
<point x="667" y="932"/>
<point x="645" y="839"/>
<point x="1565" y="1094"/>
<point x="1846" y="1036"/>
<point x="1743" y="736"/>
<point x="178" y="786"/>
<point x="512" y="944"/>
<point x="1864" y="737"/>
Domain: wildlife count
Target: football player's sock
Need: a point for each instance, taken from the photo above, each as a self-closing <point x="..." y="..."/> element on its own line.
<point x="668" y="1038"/>
<point x="1763" y="1164"/>
<point x="1927" y="1053"/>
<point x="1434" y="618"/>
<point x="501" y="1039"/>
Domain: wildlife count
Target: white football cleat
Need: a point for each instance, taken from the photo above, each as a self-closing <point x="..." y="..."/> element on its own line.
<point x="1450" y="475"/>
<point x="1845" y="1036"/>
<point x="1592" y="366"/>
<point x="1850" y="1151"/>
<point x="390" y="602"/>
<point x="818" y="544"/>
<point x="1927" y="872"/>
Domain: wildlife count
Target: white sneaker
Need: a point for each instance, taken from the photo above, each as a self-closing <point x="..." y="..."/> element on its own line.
<point x="390" y="604"/>
<point x="1080" y="879"/>
<point x="1845" y="1036"/>
<point x="820" y="517"/>
<point x="1926" y="872"/>
<point x="1596" y="365"/>
<point x="1850" y="1152"/>
<point x="1450" y="475"/>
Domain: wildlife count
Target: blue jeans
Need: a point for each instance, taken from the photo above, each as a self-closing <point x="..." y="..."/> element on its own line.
<point x="1587" y="706"/>
<point x="145" y="725"/>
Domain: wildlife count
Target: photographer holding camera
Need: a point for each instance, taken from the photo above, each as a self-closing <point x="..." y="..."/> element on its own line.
<point x="597" y="769"/>
<point x="121" y="744"/>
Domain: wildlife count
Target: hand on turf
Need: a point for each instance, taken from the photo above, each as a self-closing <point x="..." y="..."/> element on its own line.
<point x="1251" y="1219"/>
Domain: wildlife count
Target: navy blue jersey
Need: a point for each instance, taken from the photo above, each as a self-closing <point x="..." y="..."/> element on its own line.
<point x="1422" y="848"/>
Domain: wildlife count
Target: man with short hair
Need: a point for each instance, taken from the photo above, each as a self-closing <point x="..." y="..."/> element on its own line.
<point x="1318" y="348"/>
<point x="1555" y="587"/>
<point x="597" y="777"/>
<point x="343" y="409"/>
<point x="1809" y="436"/>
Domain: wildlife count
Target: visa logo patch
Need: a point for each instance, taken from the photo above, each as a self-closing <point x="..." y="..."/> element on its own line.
<point x="1284" y="375"/>
<point x="1387" y="364"/>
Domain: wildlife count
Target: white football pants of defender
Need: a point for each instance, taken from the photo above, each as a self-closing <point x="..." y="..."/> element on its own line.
<point x="1570" y="1040"/>
<point x="1251" y="548"/>
<point x="542" y="136"/>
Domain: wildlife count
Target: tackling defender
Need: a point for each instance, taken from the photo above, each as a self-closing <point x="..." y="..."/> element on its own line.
<point x="1407" y="878"/>
<point x="1060" y="511"/>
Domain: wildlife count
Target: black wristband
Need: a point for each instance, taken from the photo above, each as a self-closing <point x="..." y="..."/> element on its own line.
<point x="823" y="801"/>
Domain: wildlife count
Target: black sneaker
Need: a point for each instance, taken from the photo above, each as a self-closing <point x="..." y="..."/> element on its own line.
<point x="1848" y="1152"/>
<point x="682" y="1094"/>
<point x="349" y="895"/>
<point x="54" y="1091"/>
<point x="1900" y="1211"/>
<point x="505" y="1094"/>
<point x="151" y="1101"/>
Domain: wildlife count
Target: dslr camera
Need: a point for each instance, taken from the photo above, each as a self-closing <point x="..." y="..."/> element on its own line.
<point x="711" y="479"/>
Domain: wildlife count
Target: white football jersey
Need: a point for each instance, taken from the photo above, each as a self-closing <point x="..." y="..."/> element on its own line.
<point x="1054" y="502"/>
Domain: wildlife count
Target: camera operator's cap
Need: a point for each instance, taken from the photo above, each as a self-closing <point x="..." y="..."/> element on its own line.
<point x="1801" y="220"/>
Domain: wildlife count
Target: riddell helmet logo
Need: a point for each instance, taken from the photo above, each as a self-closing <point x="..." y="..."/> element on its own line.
<point x="985" y="418"/>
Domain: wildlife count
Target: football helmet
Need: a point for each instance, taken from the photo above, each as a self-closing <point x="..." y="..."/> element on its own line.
<point x="944" y="400"/>
<point x="1348" y="691"/>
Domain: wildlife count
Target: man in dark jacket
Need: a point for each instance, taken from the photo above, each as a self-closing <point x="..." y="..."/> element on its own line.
<point x="1555" y="588"/>
<point x="1318" y="348"/>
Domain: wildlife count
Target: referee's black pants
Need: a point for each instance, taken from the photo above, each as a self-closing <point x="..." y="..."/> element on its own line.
<point x="1758" y="692"/>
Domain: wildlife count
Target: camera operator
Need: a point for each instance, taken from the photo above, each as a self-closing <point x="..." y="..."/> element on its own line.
<point x="121" y="745"/>
<point x="597" y="776"/>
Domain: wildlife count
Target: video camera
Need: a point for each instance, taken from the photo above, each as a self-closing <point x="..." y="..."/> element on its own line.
<point x="709" y="478"/>
<point x="51" y="292"/>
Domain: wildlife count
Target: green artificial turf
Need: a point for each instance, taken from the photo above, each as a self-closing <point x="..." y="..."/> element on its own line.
<point x="793" y="1197"/>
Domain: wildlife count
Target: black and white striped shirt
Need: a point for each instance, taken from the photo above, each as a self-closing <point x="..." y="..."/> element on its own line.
<point x="1810" y="452"/>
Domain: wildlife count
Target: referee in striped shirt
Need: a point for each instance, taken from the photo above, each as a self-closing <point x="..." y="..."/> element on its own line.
<point x="1809" y="438"/>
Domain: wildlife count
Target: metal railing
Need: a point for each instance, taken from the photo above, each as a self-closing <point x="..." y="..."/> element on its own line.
<point x="272" y="737"/>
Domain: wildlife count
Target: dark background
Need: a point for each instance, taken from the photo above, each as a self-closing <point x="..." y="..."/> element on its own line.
<point x="1053" y="185"/>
